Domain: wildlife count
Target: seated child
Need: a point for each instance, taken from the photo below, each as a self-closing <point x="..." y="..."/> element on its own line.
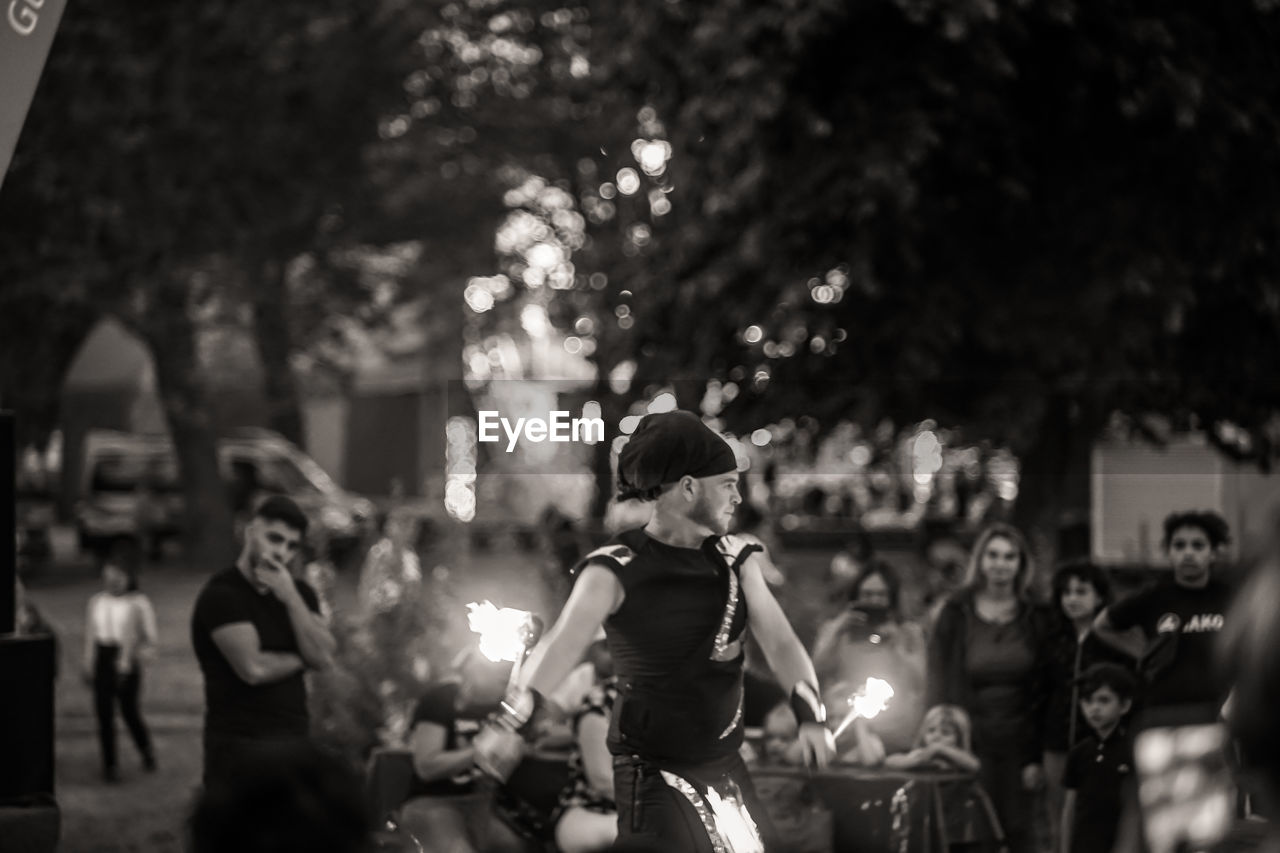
<point x="943" y="743"/>
<point x="588" y="819"/>
<point x="781" y="732"/>
<point x="803" y="822"/>
<point x="1099" y="770"/>
<point x="781" y="746"/>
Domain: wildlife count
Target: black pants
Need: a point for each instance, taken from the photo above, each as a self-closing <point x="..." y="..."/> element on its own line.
<point x="1016" y="807"/>
<point x="109" y="687"/>
<point x="228" y="757"/>
<point x="651" y="807"/>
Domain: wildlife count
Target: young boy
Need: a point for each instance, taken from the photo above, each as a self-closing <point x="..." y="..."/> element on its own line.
<point x="1099" y="769"/>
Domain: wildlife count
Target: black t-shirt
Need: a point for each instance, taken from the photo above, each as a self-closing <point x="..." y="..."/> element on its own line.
<point x="677" y="652"/>
<point x="1184" y="625"/>
<point x="1101" y="774"/>
<point x="1067" y="658"/>
<point x="233" y="706"/>
<point x="439" y="705"/>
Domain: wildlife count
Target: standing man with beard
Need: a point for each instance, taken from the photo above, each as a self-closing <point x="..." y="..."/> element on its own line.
<point x="676" y="598"/>
<point x="256" y="629"/>
<point x="1180" y="619"/>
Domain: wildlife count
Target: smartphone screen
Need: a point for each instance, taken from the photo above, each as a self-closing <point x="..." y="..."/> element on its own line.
<point x="1185" y="787"/>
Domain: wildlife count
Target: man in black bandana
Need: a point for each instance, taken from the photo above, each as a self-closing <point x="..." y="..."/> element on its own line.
<point x="675" y="599"/>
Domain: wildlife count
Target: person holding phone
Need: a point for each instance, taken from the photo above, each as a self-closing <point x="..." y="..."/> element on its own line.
<point x="256" y="629"/>
<point x="872" y="639"/>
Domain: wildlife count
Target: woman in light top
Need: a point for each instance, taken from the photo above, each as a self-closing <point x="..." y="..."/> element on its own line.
<point x="120" y="633"/>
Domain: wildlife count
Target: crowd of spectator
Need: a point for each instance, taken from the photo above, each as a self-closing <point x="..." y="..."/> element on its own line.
<point x="1028" y="707"/>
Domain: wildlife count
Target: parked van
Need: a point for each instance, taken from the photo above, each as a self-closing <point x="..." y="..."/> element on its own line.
<point x="130" y="489"/>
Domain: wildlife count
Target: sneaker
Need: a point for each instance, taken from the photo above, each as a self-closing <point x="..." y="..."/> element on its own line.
<point x="110" y="775"/>
<point x="149" y="763"/>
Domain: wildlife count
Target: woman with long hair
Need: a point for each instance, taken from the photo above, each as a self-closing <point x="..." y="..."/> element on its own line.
<point x="987" y="655"/>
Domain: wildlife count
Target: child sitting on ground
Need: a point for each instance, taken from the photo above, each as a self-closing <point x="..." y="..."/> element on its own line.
<point x="1099" y="769"/>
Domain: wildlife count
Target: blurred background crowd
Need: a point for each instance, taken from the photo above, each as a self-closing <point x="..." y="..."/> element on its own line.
<point x="932" y="265"/>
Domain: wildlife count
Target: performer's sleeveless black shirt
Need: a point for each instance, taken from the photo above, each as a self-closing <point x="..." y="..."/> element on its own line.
<point x="677" y="647"/>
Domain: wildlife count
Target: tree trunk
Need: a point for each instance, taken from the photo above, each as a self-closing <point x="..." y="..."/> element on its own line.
<point x="444" y="395"/>
<point x="170" y="334"/>
<point x="1053" y="490"/>
<point x="275" y="346"/>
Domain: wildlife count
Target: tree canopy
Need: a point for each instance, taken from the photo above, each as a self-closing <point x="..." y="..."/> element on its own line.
<point x="1018" y="218"/>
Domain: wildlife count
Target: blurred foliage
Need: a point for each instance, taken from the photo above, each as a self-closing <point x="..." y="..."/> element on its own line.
<point x="180" y="157"/>
<point x="948" y="209"/>
<point x="983" y="213"/>
<point x="1021" y="218"/>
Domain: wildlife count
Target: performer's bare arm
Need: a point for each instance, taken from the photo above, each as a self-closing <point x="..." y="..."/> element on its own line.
<point x="786" y="656"/>
<point x="769" y="625"/>
<point x="596" y="594"/>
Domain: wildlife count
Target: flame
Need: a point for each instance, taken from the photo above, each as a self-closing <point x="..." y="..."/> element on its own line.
<point x="866" y="702"/>
<point x="872" y="698"/>
<point x="734" y="823"/>
<point x="503" y="632"/>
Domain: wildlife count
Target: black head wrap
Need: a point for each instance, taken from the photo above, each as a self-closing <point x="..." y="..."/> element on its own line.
<point x="667" y="446"/>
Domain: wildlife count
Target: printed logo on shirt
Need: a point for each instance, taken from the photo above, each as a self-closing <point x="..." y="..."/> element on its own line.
<point x="1169" y="623"/>
<point x="1203" y="622"/>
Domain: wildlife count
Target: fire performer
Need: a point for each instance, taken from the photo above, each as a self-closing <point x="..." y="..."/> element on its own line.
<point x="675" y="598"/>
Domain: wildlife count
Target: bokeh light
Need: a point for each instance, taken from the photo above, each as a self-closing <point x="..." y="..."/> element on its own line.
<point x="478" y="298"/>
<point x="460" y="468"/>
<point x="652" y="155"/>
<point x="628" y="181"/>
<point x="664" y="402"/>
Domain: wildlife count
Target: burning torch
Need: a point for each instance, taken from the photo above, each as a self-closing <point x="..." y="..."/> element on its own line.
<point x="506" y="634"/>
<point x="866" y="702"/>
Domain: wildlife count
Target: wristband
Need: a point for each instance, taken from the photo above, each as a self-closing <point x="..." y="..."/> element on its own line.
<point x="806" y="704"/>
<point x="519" y="708"/>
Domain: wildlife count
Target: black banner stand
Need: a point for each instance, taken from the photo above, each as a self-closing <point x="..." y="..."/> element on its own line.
<point x="29" y="818"/>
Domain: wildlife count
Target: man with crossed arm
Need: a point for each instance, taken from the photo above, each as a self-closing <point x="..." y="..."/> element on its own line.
<point x="256" y="629"/>
<point x="675" y="599"/>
